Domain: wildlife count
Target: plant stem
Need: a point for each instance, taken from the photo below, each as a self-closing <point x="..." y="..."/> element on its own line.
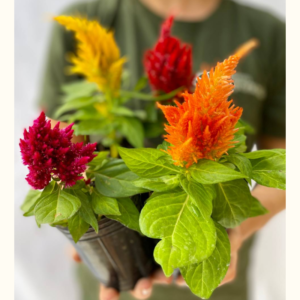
<point x="114" y="151"/>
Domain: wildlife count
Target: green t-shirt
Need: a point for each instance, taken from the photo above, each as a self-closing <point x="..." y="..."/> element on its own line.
<point x="260" y="77"/>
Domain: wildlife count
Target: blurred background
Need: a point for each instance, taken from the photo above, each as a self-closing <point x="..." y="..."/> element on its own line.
<point x="43" y="267"/>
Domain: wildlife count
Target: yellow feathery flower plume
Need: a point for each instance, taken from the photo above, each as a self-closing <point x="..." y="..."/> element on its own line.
<point x="97" y="56"/>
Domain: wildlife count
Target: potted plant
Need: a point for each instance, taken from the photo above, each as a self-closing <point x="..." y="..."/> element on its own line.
<point x="199" y="179"/>
<point x="62" y="175"/>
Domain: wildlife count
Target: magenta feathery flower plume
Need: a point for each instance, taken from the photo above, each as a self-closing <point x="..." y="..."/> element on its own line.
<point x="169" y="64"/>
<point x="50" y="153"/>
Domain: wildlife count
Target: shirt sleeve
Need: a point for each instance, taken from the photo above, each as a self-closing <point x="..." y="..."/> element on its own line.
<point x="274" y="110"/>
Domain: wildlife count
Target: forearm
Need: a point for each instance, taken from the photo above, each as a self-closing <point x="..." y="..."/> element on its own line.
<point x="273" y="200"/>
<point x="76" y="138"/>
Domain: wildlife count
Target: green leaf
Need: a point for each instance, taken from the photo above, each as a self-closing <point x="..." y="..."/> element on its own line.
<point x="265" y="153"/>
<point x="132" y="129"/>
<point x="148" y="162"/>
<point x="200" y="195"/>
<point x="209" y="172"/>
<point x="150" y="97"/>
<point x="269" y="170"/>
<point x="77" y="227"/>
<point x="257" y="209"/>
<point x="79" y="89"/>
<point x="205" y="277"/>
<point x="31" y="198"/>
<point x="163" y="146"/>
<point x="142" y="82"/>
<point x="114" y="179"/>
<point x="93" y="127"/>
<point x="232" y="203"/>
<point x="99" y="159"/>
<point x="75" y="104"/>
<point x="86" y="211"/>
<point x="243" y="163"/>
<point x="129" y="216"/>
<point x="103" y="205"/>
<point x="56" y="206"/>
<point x="47" y="190"/>
<point x="161" y="184"/>
<point x="80" y="184"/>
<point x="122" y="111"/>
<point x="187" y="237"/>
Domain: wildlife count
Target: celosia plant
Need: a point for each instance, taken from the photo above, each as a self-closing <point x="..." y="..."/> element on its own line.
<point x="99" y="104"/>
<point x="62" y="194"/>
<point x="49" y="153"/>
<point x="169" y="64"/>
<point x="204" y="125"/>
<point x="199" y="179"/>
<point x="97" y="57"/>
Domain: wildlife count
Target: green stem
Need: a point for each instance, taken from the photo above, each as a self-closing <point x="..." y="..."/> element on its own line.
<point x="148" y="97"/>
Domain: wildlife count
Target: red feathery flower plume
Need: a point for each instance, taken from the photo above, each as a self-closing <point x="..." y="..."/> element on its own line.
<point x="203" y="125"/>
<point x="50" y="153"/>
<point x="169" y="64"/>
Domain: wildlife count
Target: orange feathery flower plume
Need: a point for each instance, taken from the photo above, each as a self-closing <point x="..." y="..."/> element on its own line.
<point x="203" y="125"/>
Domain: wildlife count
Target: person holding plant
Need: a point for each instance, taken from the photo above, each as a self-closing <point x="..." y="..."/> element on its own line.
<point x="215" y="29"/>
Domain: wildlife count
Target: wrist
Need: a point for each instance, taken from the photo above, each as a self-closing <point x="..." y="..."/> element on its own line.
<point x="273" y="200"/>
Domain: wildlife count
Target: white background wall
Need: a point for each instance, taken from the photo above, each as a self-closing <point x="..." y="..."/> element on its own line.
<point x="43" y="270"/>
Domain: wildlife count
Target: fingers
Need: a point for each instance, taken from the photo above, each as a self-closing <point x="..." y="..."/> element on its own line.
<point x="160" y="278"/>
<point x="75" y="255"/>
<point x="180" y="281"/>
<point x="108" y="293"/>
<point x="142" y="289"/>
<point x="231" y="273"/>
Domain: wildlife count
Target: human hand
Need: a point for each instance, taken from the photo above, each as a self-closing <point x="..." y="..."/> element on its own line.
<point x="142" y="289"/>
<point x="236" y="240"/>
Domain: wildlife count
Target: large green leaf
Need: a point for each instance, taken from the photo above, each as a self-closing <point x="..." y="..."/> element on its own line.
<point x="77" y="226"/>
<point x="243" y="163"/>
<point x="93" y="127"/>
<point x="264" y="153"/>
<point x="56" y="206"/>
<point x="148" y="162"/>
<point x="270" y="170"/>
<point x="31" y="198"/>
<point x="232" y="203"/>
<point x="209" y="172"/>
<point x="50" y="188"/>
<point x="176" y="218"/>
<point x="129" y="214"/>
<point x="160" y="184"/>
<point x="114" y="179"/>
<point x="205" y="277"/>
<point x="132" y="129"/>
<point x="200" y="195"/>
<point x="86" y="211"/>
<point x="257" y="209"/>
<point x="103" y="205"/>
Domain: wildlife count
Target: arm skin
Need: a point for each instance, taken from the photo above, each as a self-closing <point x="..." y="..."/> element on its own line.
<point x="272" y="199"/>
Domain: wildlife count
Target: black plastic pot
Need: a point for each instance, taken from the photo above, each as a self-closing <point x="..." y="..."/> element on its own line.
<point x="117" y="256"/>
